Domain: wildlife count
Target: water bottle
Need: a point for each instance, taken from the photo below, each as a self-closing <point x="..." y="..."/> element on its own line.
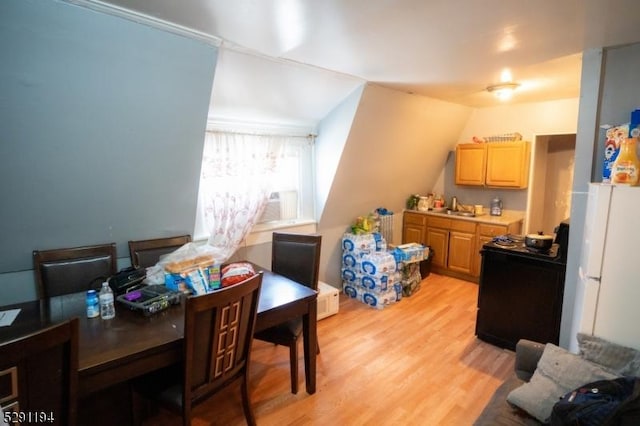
<point x="107" y="307"/>
<point x="93" y="306"/>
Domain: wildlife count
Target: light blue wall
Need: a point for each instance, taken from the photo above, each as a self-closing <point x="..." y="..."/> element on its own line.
<point x="102" y="124"/>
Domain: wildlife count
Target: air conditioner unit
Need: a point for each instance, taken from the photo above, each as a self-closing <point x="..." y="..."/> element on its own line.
<point x="328" y="300"/>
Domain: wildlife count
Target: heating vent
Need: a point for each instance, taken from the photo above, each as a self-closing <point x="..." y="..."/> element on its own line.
<point x="328" y="300"/>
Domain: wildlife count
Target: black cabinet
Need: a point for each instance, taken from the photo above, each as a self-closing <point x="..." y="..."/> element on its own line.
<point x="519" y="296"/>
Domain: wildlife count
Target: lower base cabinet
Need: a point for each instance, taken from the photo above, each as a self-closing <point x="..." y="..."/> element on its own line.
<point x="455" y="243"/>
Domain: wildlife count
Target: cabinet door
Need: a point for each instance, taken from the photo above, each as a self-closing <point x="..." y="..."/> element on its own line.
<point x="412" y="234"/>
<point x="413" y="228"/>
<point x="470" y="164"/>
<point x="461" y="249"/>
<point x="438" y="240"/>
<point x="508" y="164"/>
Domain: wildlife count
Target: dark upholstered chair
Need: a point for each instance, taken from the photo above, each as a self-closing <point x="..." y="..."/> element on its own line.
<point x="146" y="253"/>
<point x="297" y="257"/>
<point x="218" y="333"/>
<point x="70" y="270"/>
<point x="39" y="373"/>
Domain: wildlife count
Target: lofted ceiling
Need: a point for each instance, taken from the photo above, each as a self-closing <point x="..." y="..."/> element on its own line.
<point x="445" y="49"/>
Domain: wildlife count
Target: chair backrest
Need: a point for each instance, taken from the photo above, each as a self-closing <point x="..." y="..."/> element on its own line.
<point x="218" y="333"/>
<point x="70" y="270"/>
<point x="146" y="253"/>
<point x="39" y="373"/>
<point x="297" y="257"/>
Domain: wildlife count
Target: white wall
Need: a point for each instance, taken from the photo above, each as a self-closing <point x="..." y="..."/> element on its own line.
<point x="397" y="146"/>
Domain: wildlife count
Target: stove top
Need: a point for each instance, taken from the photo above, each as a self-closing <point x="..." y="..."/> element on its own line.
<point x="515" y="244"/>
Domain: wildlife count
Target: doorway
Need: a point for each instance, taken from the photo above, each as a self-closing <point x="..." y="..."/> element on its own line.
<point x="551" y="182"/>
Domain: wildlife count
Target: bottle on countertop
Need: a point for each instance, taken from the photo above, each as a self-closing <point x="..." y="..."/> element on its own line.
<point x="107" y="306"/>
<point x="454" y="203"/>
<point x="93" y="306"/>
<point x="496" y="207"/>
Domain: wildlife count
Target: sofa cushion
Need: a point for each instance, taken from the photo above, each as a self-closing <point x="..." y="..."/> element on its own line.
<point x="617" y="358"/>
<point x="558" y="372"/>
<point x="498" y="412"/>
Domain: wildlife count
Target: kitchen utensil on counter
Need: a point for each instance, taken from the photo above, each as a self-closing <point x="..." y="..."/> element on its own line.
<point x="478" y="209"/>
<point x="538" y="241"/>
<point x="454" y="203"/>
<point x="496" y="207"/>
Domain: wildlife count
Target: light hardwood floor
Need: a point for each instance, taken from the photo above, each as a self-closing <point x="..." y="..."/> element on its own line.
<point x="416" y="362"/>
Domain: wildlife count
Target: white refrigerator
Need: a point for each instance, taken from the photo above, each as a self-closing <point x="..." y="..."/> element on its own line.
<point x="608" y="290"/>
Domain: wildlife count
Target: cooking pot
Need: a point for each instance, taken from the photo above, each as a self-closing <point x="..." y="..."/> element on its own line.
<point x="538" y="241"/>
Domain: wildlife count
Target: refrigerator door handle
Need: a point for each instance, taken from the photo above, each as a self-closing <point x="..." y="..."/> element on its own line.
<point x="585" y="277"/>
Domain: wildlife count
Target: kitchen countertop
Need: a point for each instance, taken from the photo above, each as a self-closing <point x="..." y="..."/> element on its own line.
<point x="508" y="216"/>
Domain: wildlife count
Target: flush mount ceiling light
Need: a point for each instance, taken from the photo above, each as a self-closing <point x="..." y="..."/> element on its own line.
<point x="503" y="91"/>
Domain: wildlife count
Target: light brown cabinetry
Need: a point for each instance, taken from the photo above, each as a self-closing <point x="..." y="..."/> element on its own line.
<point x="486" y="232"/>
<point x="493" y="164"/>
<point x="471" y="164"/>
<point x="455" y="243"/>
<point x="414" y="228"/>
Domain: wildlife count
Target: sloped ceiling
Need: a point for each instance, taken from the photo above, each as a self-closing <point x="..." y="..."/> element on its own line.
<point x="445" y="49"/>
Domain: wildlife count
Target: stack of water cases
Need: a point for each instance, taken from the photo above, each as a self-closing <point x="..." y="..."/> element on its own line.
<point x="369" y="271"/>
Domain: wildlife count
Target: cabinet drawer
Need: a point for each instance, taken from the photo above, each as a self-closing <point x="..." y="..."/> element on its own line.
<point x="415" y="219"/>
<point x="439" y="222"/>
<point x="491" y="230"/>
<point x="8" y="385"/>
<point x="463" y="226"/>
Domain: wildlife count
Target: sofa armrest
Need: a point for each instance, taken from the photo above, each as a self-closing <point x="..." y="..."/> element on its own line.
<point x="528" y="354"/>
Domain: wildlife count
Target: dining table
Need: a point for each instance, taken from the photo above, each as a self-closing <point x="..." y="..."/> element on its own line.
<point x="131" y="344"/>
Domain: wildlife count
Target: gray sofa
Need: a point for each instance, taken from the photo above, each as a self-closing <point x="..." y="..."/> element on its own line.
<point x="498" y="412"/>
<point x="543" y="373"/>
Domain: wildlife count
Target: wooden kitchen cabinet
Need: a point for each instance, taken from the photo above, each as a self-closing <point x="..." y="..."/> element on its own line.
<point x="493" y="164"/>
<point x="486" y="233"/>
<point x="455" y="243"/>
<point x="414" y="228"/>
<point x="471" y="164"/>
<point x="462" y="245"/>
<point x="508" y="164"/>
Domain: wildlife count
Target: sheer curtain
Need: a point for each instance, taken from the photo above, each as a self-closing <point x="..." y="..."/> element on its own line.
<point x="235" y="182"/>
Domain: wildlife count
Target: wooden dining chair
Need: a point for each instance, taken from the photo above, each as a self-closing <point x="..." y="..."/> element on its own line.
<point x="146" y="253"/>
<point x="218" y="333"/>
<point x="71" y="270"/>
<point x="297" y="257"/>
<point x="39" y="374"/>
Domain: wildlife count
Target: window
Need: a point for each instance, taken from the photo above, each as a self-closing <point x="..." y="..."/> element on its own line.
<point x="290" y="187"/>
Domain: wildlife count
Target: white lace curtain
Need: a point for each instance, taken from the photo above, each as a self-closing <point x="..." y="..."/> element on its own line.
<point x="235" y="183"/>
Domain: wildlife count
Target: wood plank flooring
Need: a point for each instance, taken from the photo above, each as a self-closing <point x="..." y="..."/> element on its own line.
<point x="416" y="362"/>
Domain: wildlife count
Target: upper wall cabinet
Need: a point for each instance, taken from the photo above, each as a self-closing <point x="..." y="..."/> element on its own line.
<point x="493" y="164"/>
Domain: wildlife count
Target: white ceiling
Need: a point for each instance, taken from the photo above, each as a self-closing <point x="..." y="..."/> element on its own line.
<point x="445" y="49"/>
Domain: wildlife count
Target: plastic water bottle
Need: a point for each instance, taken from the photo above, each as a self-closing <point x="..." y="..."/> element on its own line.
<point x="107" y="307"/>
<point x="93" y="306"/>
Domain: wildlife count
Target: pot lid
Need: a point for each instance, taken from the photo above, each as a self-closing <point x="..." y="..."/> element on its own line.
<point x="539" y="236"/>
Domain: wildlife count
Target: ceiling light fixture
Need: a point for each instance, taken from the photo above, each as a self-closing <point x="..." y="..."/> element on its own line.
<point x="503" y="91"/>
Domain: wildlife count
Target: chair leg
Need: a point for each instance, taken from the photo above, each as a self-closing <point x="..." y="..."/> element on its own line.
<point x="293" y="361"/>
<point x="317" y="346"/>
<point x="246" y="403"/>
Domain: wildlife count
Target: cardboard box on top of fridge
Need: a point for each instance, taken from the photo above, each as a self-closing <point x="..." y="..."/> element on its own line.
<point x="614" y="136"/>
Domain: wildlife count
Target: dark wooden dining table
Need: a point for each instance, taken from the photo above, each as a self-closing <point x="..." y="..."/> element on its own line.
<point x="114" y="351"/>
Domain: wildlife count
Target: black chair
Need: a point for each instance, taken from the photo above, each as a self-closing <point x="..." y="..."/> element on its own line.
<point x="71" y="270"/>
<point x="218" y="333"/>
<point x="39" y="374"/>
<point x="146" y="253"/>
<point x="297" y="257"/>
